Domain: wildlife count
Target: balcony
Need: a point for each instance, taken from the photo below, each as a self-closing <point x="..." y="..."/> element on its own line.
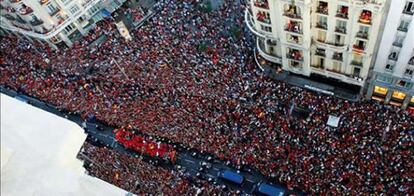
<point x="25" y="10"/>
<point x="397" y="44"/>
<point x="340" y="29"/>
<point x="322" y="8"/>
<point x="365" y="17"/>
<point x="293" y="27"/>
<point x="36" y="22"/>
<point x="250" y="24"/>
<point x="357" y="63"/>
<point x="294" y="55"/>
<point x="268" y="56"/>
<point x="292" y="13"/>
<point x="337" y="56"/>
<point x="402" y="28"/>
<point x="15" y="1"/>
<point x="42" y="2"/>
<point x="359" y="48"/>
<point x="262" y="4"/>
<point x="342" y="12"/>
<point x="262" y="17"/>
<point x="321" y="25"/>
<point x="408" y="12"/>
<point x="320" y="52"/>
<point x="362" y="35"/>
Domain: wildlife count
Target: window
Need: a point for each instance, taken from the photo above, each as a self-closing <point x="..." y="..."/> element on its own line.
<point x="294" y="39"/>
<point x="404" y="25"/>
<point x="357" y="71"/>
<point x="69" y="28"/>
<point x="409" y="72"/>
<point x="52" y="8"/>
<point x="336" y="66"/>
<point x="409" y="8"/>
<point x="322" y="22"/>
<point x="74" y="9"/>
<point x="389" y="67"/>
<point x="384" y="79"/>
<point x="404" y="84"/>
<point x="93" y="9"/>
<point x="340" y="26"/>
<point x="398" y="95"/>
<point x="380" y="90"/>
<point x="399" y="40"/>
<point x="266" y="28"/>
<point x="393" y="55"/>
<point x="321" y="36"/>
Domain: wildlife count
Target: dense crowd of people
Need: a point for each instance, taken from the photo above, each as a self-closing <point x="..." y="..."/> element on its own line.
<point x="140" y="177"/>
<point x="187" y="78"/>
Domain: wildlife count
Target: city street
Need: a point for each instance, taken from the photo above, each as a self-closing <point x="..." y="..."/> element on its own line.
<point x="187" y="160"/>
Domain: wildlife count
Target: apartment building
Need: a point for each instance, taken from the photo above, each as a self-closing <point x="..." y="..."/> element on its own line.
<point x="392" y="79"/>
<point x="54" y="22"/>
<point x="332" y="39"/>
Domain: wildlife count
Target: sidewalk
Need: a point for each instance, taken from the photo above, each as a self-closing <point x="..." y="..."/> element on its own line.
<point x="313" y="84"/>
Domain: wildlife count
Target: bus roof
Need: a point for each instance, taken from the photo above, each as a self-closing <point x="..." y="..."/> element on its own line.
<point x="271" y="190"/>
<point x="232" y="176"/>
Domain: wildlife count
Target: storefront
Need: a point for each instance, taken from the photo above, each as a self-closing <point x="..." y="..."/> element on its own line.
<point x="397" y="98"/>
<point x="379" y="93"/>
<point x="410" y="107"/>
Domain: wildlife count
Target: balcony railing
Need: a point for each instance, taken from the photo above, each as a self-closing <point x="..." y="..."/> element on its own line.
<point x="340" y="29"/>
<point x="397" y="44"/>
<point x="36" y="22"/>
<point x="262" y="4"/>
<point x="342" y="12"/>
<point x="294" y="56"/>
<point x="321" y="25"/>
<point x="405" y="11"/>
<point x="359" y="48"/>
<point x="318" y="66"/>
<point x="292" y="15"/>
<point x="357" y="63"/>
<point x="403" y="29"/>
<point x="293" y="28"/>
<point x="362" y="35"/>
<point x="365" y="17"/>
<point x="262" y="18"/>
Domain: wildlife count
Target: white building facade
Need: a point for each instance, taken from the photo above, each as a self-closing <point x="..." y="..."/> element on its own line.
<point x="53" y="22"/>
<point x="330" y="38"/>
<point x="392" y="81"/>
